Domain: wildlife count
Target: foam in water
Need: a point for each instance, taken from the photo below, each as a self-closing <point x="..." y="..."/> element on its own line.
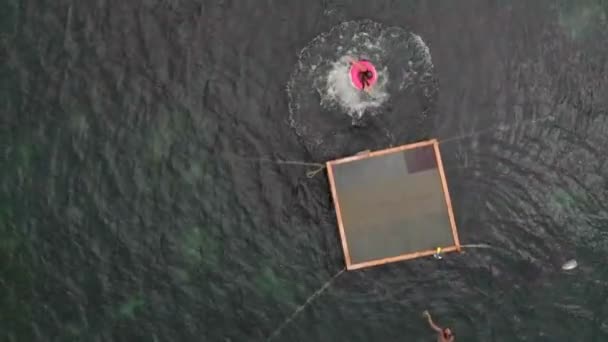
<point x="324" y="105"/>
<point x="339" y="90"/>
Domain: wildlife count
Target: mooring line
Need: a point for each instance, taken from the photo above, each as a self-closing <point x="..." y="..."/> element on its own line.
<point x="300" y="308"/>
<point x="310" y="174"/>
<point x="320" y="167"/>
<point x="501" y="127"/>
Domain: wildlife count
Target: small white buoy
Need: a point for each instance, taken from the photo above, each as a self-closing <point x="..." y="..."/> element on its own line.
<point x="570" y="265"/>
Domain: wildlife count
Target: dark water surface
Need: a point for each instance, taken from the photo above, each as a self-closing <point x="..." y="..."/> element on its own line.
<point x="123" y="216"/>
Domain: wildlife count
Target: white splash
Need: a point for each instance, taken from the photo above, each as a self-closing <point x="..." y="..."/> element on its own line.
<point x="322" y="98"/>
<point x="340" y="90"/>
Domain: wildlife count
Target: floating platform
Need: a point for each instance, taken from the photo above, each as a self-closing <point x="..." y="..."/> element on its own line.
<point x="392" y="205"/>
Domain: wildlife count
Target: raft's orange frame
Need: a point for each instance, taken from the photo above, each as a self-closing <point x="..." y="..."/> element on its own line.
<point x="349" y="265"/>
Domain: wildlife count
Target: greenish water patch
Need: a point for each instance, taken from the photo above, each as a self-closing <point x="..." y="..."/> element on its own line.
<point x="582" y="18"/>
<point x="165" y="133"/>
<point x="17" y="261"/>
<point x="9" y="15"/>
<point x="11" y="96"/>
<point x="128" y="309"/>
<point x="72" y="332"/>
<point x="269" y="285"/>
<point x="192" y="173"/>
<point x="561" y="200"/>
<point x="19" y="167"/>
<point x="23" y="158"/>
<point x="17" y="280"/>
<point x="160" y="144"/>
<point x="563" y="203"/>
<point x="199" y="248"/>
<point x="79" y="125"/>
<point x="180" y="275"/>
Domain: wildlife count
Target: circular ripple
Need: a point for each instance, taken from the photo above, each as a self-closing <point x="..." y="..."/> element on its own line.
<point x="333" y="119"/>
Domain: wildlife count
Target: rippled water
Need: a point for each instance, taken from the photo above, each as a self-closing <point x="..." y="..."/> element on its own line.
<point x="129" y="209"/>
<point x="333" y="119"/>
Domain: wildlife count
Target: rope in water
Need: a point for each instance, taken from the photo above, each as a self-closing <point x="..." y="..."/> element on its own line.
<point x="310" y="174"/>
<point x="320" y="167"/>
<point x="486" y="246"/>
<point x="478" y="245"/>
<point x="326" y="285"/>
<point x="500" y="127"/>
<point x="300" y="308"/>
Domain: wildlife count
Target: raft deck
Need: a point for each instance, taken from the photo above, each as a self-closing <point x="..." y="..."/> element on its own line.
<point x="392" y="205"/>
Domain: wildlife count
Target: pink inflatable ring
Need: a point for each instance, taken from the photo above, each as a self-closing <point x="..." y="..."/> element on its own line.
<point x="363" y="74"/>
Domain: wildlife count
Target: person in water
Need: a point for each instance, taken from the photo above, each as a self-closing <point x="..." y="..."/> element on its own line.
<point x="365" y="77"/>
<point x="443" y="334"/>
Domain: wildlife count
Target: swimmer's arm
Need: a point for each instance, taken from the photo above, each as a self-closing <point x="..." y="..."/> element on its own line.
<point x="432" y="324"/>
